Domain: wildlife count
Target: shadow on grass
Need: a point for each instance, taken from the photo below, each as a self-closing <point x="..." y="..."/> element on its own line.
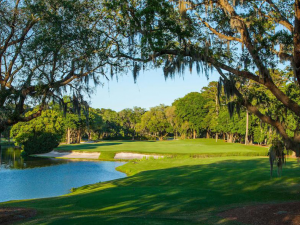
<point x="185" y="194"/>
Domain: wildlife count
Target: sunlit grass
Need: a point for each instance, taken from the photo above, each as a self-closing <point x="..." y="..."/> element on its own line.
<point x="192" y="148"/>
<point x="170" y="191"/>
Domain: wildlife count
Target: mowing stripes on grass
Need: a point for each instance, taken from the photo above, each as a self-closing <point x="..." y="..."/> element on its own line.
<point x="193" y="148"/>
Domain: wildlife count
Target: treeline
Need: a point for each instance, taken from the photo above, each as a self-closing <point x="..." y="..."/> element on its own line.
<point x="198" y="114"/>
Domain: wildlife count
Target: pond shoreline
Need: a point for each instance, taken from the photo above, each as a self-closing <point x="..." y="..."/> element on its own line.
<point x="95" y="155"/>
<point x="44" y="177"/>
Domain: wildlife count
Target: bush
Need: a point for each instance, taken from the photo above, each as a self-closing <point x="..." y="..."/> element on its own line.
<point x="40" y="143"/>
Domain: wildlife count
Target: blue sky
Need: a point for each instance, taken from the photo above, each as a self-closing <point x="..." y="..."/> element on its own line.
<point x="151" y="89"/>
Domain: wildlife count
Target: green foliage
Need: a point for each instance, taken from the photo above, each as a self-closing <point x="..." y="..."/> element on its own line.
<point x="51" y="122"/>
<point x="155" y="123"/>
<point x="190" y="112"/>
<point x="41" y="134"/>
<point x="53" y="45"/>
<point x="196" y="114"/>
<point x="247" y="42"/>
<point x="129" y="118"/>
<point x="39" y="142"/>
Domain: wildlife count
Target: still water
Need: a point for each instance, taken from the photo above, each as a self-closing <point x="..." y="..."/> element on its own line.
<point x="44" y="177"/>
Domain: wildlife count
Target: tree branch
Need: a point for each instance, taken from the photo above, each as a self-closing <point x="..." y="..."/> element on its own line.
<point x="253" y="109"/>
<point x="220" y="35"/>
<point x="283" y="21"/>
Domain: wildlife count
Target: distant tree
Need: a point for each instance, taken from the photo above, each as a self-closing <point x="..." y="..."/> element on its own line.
<point x="138" y="112"/>
<point x="241" y="40"/>
<point x="210" y="93"/>
<point x="191" y="109"/>
<point x="126" y="121"/>
<point x="73" y="124"/>
<point x="155" y="123"/>
<point x="173" y="119"/>
<point x="95" y="124"/>
<point x="111" y="126"/>
<point x="129" y="119"/>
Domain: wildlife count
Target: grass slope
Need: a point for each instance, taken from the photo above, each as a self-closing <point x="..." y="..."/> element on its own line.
<point x="170" y="191"/>
<point x="198" y="147"/>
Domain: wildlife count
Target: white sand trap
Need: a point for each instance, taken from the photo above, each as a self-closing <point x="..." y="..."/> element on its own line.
<point x="126" y="155"/>
<point x="71" y="155"/>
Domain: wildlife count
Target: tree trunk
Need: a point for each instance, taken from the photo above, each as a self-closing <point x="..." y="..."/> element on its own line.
<point x="247" y="128"/>
<point x="251" y="140"/>
<point x="194" y="136"/>
<point x="229" y="138"/>
<point x="296" y="40"/>
<point x="78" y="136"/>
<point x="68" y="136"/>
<point x="217" y="137"/>
<point x="207" y="134"/>
<point x="241" y="141"/>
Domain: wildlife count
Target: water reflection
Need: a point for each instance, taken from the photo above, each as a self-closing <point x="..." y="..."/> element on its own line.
<point x="49" y="177"/>
<point x="10" y="158"/>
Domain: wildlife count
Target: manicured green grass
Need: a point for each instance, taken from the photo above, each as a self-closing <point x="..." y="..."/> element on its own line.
<point x="170" y="191"/>
<point x="182" y="189"/>
<point x="193" y="148"/>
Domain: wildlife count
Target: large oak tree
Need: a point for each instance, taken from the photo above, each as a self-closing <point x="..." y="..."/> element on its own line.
<point x="49" y="46"/>
<point x="242" y="40"/>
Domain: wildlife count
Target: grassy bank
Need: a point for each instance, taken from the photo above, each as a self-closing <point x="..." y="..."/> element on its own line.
<point x="192" y="148"/>
<point x="170" y="191"/>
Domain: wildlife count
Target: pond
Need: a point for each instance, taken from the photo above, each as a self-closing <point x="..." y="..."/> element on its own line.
<point x="45" y="177"/>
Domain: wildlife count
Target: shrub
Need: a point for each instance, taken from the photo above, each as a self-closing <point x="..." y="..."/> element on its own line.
<point x="40" y="143"/>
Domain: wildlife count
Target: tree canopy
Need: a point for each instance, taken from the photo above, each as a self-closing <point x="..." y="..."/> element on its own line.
<point x="47" y="46"/>
<point x="191" y="109"/>
<point x="242" y="40"/>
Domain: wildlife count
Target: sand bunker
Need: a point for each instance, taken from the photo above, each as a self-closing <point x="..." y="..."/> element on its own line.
<point x="71" y="155"/>
<point x="95" y="155"/>
<point x="126" y="155"/>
